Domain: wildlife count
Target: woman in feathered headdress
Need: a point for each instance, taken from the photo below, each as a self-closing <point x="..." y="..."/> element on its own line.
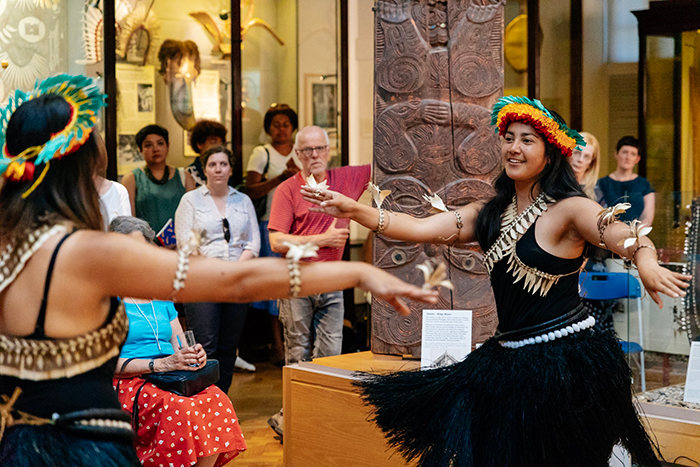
<point x="546" y="389"/>
<point x="60" y="332"/>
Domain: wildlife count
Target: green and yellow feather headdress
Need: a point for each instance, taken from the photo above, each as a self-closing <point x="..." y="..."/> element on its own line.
<point x="509" y="109"/>
<point x="85" y="100"/>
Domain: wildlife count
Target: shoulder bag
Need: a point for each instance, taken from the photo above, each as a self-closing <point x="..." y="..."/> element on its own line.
<point x="260" y="204"/>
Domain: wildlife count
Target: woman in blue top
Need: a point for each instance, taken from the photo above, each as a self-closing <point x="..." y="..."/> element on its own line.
<point x="625" y="186"/>
<point x="165" y="420"/>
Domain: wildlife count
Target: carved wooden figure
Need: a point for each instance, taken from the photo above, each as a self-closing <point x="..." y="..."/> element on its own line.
<point x="438" y="72"/>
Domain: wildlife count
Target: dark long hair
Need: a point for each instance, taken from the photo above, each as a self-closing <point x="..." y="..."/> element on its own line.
<point x="557" y="180"/>
<point x="67" y="192"/>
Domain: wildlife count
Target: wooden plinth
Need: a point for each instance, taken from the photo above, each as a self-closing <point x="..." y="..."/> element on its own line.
<point x="676" y="429"/>
<point x="325" y="422"/>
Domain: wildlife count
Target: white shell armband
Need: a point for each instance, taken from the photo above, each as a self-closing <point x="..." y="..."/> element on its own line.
<point x="294" y="254"/>
<point x="609" y="216"/>
<point x="183" y="260"/>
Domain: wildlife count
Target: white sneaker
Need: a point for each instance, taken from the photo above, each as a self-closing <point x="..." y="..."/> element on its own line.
<point x="243" y="365"/>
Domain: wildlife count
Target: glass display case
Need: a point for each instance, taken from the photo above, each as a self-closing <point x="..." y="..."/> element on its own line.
<point x="669" y="92"/>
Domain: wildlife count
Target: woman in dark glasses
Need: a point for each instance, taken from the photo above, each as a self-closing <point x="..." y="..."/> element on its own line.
<point x="232" y="234"/>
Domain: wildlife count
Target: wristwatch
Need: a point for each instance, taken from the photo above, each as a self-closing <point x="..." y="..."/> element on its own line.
<point x="151" y="365"/>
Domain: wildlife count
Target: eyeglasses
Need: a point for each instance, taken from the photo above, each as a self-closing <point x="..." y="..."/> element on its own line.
<point x="227" y="230"/>
<point x="307" y="152"/>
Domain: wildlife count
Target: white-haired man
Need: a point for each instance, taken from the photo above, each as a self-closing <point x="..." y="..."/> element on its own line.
<point x="313" y="326"/>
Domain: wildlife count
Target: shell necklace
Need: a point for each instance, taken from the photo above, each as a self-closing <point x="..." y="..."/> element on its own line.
<point x="513" y="226"/>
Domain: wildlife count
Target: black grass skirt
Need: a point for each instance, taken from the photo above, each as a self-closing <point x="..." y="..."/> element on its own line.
<point x="561" y="403"/>
<point x="48" y="446"/>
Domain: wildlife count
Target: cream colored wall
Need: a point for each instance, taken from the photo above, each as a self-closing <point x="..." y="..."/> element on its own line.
<point x="554" y="56"/>
<point x="287" y="91"/>
<point x="361" y="74"/>
<point x="317" y="54"/>
<point x="595" y="78"/>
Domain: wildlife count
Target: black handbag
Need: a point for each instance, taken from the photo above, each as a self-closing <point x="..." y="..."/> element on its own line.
<point x="184" y="382"/>
<point x="260" y="204"/>
<point x="180" y="382"/>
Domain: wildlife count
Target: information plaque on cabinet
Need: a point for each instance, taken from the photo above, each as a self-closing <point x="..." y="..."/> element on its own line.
<point x="692" y="378"/>
<point x="446" y="337"/>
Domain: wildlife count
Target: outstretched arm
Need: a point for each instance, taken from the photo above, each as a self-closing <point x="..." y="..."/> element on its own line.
<point x="118" y="265"/>
<point x="584" y="214"/>
<point x="439" y="228"/>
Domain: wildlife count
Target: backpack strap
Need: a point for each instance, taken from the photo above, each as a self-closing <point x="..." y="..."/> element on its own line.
<point x="267" y="165"/>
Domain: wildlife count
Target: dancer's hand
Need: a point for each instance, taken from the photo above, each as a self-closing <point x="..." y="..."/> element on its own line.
<point x="392" y="289"/>
<point x="657" y="279"/>
<point x="329" y="202"/>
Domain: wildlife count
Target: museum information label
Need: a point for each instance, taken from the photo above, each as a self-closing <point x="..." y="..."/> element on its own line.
<point x="446" y="337"/>
<point x="692" y="377"/>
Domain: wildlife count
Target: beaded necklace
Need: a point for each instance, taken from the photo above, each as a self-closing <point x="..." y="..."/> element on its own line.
<point x="157" y="181"/>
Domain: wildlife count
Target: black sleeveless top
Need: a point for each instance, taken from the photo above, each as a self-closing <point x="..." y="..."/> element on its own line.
<point x="518" y="308"/>
<point x="63" y="375"/>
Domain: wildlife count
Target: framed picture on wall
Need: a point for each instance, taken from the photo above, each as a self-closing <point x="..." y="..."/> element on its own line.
<point x="321" y="101"/>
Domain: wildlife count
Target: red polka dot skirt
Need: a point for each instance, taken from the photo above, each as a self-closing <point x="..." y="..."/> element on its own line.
<point x="176" y="430"/>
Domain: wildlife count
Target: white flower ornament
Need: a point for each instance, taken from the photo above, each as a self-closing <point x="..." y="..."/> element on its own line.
<point x="609" y="215"/>
<point x="436" y="203"/>
<point x="434" y="275"/>
<point x="637" y="230"/>
<point x="294" y="254"/>
<point x="297" y="252"/>
<point x="312" y="184"/>
<point x="377" y="195"/>
<point x="196" y="240"/>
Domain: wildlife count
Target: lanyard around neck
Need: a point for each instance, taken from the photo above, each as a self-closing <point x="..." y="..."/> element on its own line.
<point x="155" y="318"/>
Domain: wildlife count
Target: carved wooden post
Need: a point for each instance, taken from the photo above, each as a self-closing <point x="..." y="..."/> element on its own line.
<point x="438" y="72"/>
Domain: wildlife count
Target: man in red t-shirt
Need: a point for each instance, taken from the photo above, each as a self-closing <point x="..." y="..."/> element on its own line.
<point x="318" y="317"/>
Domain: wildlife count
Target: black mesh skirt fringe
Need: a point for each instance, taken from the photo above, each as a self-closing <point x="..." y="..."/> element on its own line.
<point x="48" y="446"/>
<point x="562" y="403"/>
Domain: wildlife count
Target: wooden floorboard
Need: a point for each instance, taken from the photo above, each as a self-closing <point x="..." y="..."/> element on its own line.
<point x="256" y="397"/>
